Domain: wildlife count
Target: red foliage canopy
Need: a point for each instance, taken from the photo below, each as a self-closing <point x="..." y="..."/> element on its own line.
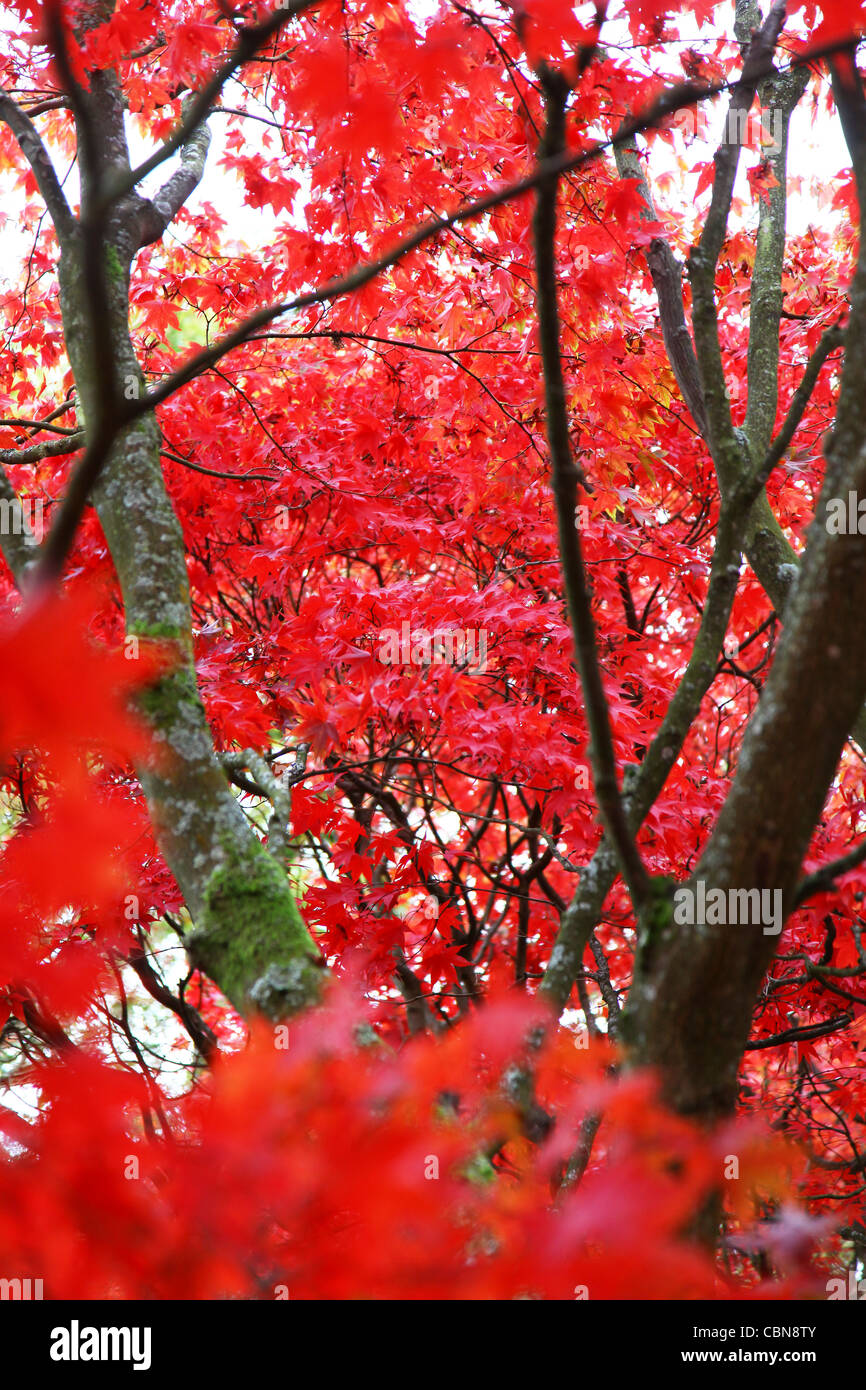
<point x="372" y="552"/>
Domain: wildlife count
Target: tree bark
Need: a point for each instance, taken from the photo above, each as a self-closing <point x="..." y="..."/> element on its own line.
<point x="249" y="935"/>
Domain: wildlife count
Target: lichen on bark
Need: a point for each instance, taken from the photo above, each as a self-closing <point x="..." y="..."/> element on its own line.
<point x="252" y="938"/>
<point x="248" y="935"/>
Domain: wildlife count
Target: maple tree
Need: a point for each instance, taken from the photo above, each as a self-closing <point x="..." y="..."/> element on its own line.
<point x="416" y="586"/>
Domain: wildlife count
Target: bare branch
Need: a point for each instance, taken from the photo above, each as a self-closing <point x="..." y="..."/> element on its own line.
<point x="564" y="481"/>
<point x="19" y="545"/>
<point x="808" y="1033"/>
<point x="162" y="209"/>
<point x="825" y="878"/>
<point x="250" y="40"/>
<point x="49" y="448"/>
<point x="31" y="146"/>
<point x="216" y="472"/>
<point x="832" y="339"/>
<point x="703" y="260"/>
<point x="851" y="105"/>
<point x="779" y="97"/>
<point x="666" y="273"/>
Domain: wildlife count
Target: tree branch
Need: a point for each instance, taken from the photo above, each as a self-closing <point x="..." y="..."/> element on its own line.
<point x="825" y="877"/>
<point x="666" y="273"/>
<point x="20" y="546"/>
<point x="564" y="480"/>
<point x="808" y="1033"/>
<point x="250" y="40"/>
<point x="727" y="449"/>
<point x="31" y="146"/>
<point x="779" y="97"/>
<point x="161" y="210"/>
<point x="49" y="448"/>
<point x="832" y="339"/>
